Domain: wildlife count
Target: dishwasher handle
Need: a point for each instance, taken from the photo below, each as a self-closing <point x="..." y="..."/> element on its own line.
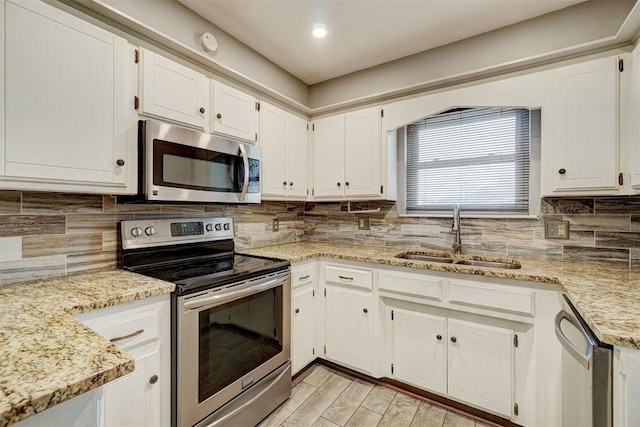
<point x="585" y="359"/>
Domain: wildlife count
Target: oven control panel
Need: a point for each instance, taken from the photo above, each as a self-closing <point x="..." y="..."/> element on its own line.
<point x="161" y="232"/>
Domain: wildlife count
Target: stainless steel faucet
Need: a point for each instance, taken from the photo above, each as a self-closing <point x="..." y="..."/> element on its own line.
<point x="457" y="245"/>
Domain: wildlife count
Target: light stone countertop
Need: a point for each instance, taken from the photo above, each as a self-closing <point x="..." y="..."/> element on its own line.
<point x="606" y="296"/>
<point x="47" y="356"/>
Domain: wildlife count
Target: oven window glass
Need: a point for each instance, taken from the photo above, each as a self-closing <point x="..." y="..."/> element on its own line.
<point x="182" y="166"/>
<point x="237" y="337"/>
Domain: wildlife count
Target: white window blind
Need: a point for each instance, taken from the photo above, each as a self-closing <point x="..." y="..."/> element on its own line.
<point x="477" y="158"/>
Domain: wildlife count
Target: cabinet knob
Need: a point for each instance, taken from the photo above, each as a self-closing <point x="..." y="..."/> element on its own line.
<point x="364" y="310"/>
<point x="284" y="182"/>
<point x="291" y="183"/>
<point x="346" y="183"/>
<point x="454" y="339"/>
<point x="338" y="184"/>
<point x="120" y="162"/>
<point x="202" y="110"/>
<point x="153" y="379"/>
<point x="219" y="115"/>
<point x="562" y="171"/>
<point x="438" y="337"/>
<point x="297" y="310"/>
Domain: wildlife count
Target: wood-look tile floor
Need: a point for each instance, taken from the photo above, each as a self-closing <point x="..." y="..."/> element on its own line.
<point x="327" y="398"/>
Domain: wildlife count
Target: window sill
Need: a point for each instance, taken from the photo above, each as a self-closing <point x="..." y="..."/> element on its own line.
<point x="469" y="215"/>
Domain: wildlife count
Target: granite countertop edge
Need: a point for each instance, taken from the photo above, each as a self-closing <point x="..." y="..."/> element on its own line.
<point x="47" y="356"/>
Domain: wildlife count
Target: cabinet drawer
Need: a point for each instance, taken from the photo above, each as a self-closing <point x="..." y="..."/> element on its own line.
<point x="128" y="329"/>
<point x="411" y="284"/>
<point x="491" y="296"/>
<point x="348" y="276"/>
<point x="303" y="275"/>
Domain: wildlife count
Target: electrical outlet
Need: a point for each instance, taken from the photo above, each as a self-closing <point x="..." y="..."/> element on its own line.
<point x="364" y="223"/>
<point x="556" y="229"/>
<point x="275" y="225"/>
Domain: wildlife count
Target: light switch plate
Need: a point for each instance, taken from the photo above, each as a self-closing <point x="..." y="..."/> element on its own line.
<point x="275" y="225"/>
<point x="556" y="229"/>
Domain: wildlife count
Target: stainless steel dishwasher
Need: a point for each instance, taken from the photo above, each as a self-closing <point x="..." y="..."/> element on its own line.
<point x="587" y="398"/>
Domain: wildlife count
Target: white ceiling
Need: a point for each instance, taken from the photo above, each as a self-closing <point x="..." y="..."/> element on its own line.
<point x="361" y="33"/>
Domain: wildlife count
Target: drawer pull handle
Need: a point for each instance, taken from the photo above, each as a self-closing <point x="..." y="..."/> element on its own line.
<point x="345" y="278"/>
<point x="153" y="379"/>
<point x="126" y="337"/>
<point x="304" y="277"/>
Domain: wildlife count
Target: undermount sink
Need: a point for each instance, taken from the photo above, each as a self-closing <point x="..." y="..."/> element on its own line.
<point x="455" y="261"/>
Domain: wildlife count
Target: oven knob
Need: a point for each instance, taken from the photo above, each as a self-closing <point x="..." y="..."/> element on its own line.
<point x="226" y="225"/>
<point x="136" y="232"/>
<point x="150" y="231"/>
<point x="218" y="227"/>
<point x="209" y="227"/>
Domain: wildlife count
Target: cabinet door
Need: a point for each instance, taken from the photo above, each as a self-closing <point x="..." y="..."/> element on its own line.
<point x="480" y="365"/>
<point x="273" y="140"/>
<point x="349" y="337"/>
<point x="172" y="91"/>
<point x="297" y="157"/>
<point x="328" y="157"/>
<point x="234" y="112"/>
<point x="362" y="153"/>
<point x="302" y="319"/>
<point x="585" y="126"/>
<point x="64" y="98"/>
<point x="419" y="348"/>
<point x="134" y="400"/>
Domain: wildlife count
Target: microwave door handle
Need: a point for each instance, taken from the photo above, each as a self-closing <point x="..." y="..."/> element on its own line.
<point x="245" y="162"/>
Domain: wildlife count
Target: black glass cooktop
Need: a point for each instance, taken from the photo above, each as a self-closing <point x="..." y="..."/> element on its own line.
<point x="194" y="275"/>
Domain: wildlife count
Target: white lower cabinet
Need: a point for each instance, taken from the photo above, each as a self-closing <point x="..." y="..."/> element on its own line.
<point x="480" y="365"/>
<point x="468" y="361"/>
<point x="142" y="329"/>
<point x="626" y="387"/>
<point x="141" y="387"/>
<point x="349" y="339"/>
<point x="303" y="290"/>
<point x="419" y="349"/>
<point x="81" y="411"/>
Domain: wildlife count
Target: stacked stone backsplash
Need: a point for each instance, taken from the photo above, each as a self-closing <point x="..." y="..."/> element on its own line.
<point x="52" y="234"/>
<point x="603" y="229"/>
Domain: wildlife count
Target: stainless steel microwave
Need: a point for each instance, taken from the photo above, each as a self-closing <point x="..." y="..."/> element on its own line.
<point x="183" y="165"/>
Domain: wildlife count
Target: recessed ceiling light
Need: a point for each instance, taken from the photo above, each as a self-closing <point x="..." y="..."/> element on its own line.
<point x="319" y="31"/>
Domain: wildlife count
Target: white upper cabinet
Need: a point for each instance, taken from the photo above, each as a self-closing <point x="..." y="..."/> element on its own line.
<point x="283" y="139"/>
<point x="347" y="151"/>
<point x="328" y="156"/>
<point x="362" y="153"/>
<point x="69" y="119"/>
<point x="585" y="126"/>
<point x="234" y="113"/>
<point x="172" y="91"/>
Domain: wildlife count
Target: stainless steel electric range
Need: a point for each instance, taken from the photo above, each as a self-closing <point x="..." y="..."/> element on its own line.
<point x="230" y="319"/>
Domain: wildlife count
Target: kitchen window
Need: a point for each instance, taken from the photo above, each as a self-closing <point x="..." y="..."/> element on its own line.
<point x="478" y="158"/>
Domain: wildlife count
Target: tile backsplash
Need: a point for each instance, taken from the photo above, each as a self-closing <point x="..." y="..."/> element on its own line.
<point x="50" y="234"/>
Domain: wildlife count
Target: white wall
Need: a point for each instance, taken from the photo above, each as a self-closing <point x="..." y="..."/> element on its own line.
<point x="590" y="25"/>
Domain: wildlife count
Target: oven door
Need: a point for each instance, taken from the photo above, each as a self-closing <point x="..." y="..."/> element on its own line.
<point x="186" y="165"/>
<point x="228" y="339"/>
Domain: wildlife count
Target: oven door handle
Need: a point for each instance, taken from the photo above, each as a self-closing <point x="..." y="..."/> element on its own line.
<point x="245" y="162"/>
<point x="224" y="297"/>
